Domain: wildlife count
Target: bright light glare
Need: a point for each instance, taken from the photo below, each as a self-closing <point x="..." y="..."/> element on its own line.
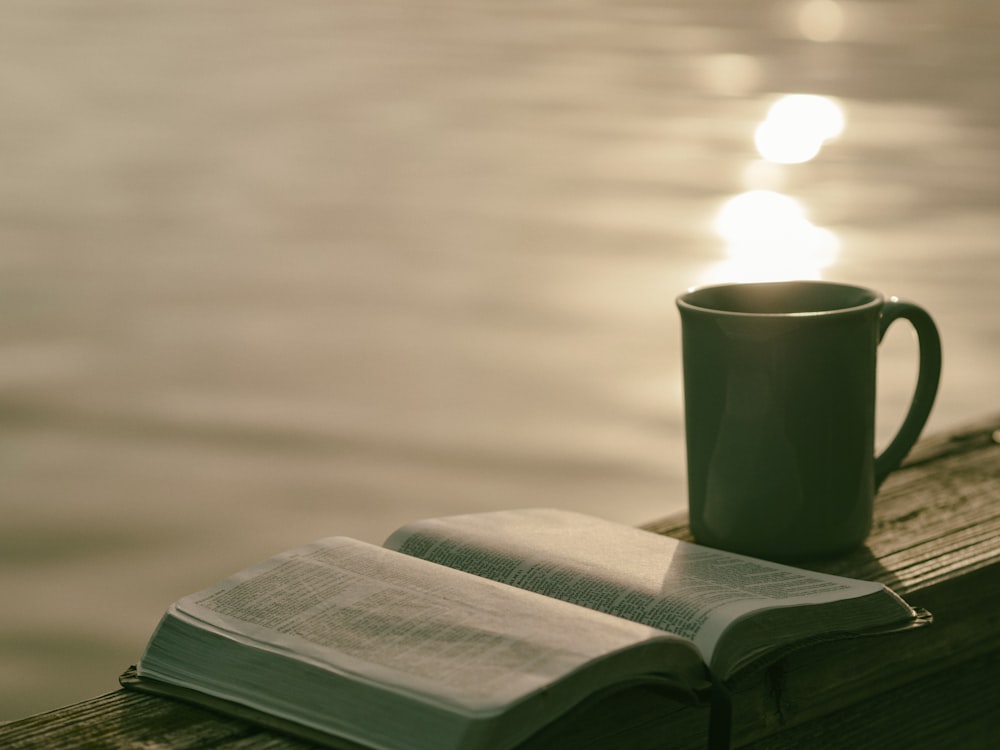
<point x="770" y="238"/>
<point x="797" y="126"/>
<point x="758" y="215"/>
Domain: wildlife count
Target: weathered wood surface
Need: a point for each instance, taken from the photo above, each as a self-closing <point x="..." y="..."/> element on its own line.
<point x="936" y="540"/>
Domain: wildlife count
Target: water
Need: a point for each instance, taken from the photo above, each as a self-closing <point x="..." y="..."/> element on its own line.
<point x="270" y="272"/>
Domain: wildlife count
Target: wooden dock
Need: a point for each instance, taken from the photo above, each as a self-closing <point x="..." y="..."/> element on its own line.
<point x="936" y="541"/>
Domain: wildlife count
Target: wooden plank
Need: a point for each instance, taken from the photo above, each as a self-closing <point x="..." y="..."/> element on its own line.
<point x="126" y="720"/>
<point x="961" y="711"/>
<point x="935" y="539"/>
<point x="935" y="519"/>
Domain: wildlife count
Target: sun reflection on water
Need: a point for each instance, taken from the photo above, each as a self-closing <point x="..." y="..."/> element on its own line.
<point x="768" y="235"/>
<point x="796" y="128"/>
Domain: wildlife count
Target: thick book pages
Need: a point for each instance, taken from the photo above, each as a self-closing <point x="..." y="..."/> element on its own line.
<point x="390" y="651"/>
<point x="611" y="718"/>
<point x="130" y="679"/>
<point x="737" y="610"/>
<point x="481" y="631"/>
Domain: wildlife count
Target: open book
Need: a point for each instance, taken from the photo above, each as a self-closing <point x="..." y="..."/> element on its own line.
<point x="478" y="631"/>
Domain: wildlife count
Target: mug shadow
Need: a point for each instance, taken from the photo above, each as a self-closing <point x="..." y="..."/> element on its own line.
<point x="860" y="563"/>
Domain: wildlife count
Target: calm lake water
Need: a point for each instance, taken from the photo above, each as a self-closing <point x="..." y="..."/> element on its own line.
<point x="275" y="271"/>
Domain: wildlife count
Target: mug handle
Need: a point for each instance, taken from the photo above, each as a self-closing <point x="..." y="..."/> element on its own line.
<point x="929" y="345"/>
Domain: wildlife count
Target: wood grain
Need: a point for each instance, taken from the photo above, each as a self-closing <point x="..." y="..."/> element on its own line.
<point x="935" y="540"/>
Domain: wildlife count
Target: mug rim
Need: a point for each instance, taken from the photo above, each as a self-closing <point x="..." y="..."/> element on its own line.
<point x="687" y="300"/>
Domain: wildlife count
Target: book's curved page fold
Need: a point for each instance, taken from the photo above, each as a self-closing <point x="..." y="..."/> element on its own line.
<point x="368" y="644"/>
<point x="736" y="609"/>
<point x="479" y="632"/>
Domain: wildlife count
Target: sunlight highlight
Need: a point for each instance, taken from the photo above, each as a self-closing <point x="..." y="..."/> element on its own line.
<point x="769" y="238"/>
<point x="796" y="128"/>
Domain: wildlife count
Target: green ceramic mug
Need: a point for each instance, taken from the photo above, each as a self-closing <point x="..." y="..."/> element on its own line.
<point x="779" y="398"/>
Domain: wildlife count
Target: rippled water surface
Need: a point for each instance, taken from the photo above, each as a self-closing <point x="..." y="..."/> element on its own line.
<point x="274" y="271"/>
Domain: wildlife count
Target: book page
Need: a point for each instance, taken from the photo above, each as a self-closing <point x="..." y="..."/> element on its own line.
<point x="687" y="589"/>
<point x="364" y="610"/>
